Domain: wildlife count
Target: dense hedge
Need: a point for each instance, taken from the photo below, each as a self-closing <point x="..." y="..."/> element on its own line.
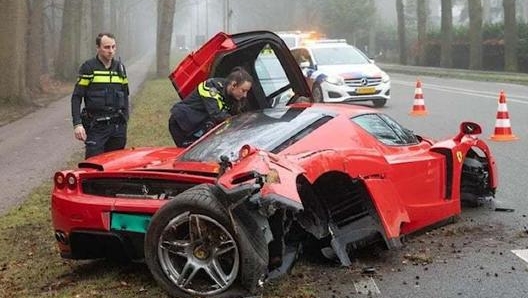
<point x="492" y="48"/>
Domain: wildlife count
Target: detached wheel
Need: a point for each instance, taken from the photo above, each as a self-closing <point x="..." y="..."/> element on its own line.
<point x="191" y="248"/>
<point x="378" y="103"/>
<point x="317" y="93"/>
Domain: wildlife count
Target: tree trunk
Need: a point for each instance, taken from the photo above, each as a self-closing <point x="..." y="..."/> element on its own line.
<point x="87" y="36"/>
<point x="510" y="36"/>
<point x="35" y="45"/>
<point x="98" y="17"/>
<point x="114" y="16"/>
<point x="421" y="13"/>
<point x="446" y="56"/>
<point x="475" y="34"/>
<point x="165" y="20"/>
<point x="68" y="61"/>
<point x="121" y="33"/>
<point x="51" y="36"/>
<point x="486" y="11"/>
<point x="401" y="31"/>
<point x="14" y="16"/>
<point x="524" y="10"/>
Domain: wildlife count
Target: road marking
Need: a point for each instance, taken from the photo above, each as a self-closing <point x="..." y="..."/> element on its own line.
<point x="486" y="94"/>
<point x="521" y="253"/>
<point x="366" y="286"/>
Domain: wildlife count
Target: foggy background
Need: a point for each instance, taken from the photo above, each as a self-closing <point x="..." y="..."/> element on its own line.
<point x="46" y="40"/>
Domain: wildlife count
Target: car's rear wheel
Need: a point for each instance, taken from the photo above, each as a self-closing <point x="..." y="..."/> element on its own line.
<point x="191" y="248"/>
<point x="317" y="93"/>
<point x="378" y="103"/>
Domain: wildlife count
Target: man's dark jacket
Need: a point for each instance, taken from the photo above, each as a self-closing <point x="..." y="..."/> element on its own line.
<point x="207" y="103"/>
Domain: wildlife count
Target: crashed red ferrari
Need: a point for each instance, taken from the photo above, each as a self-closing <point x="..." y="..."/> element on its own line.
<point x="234" y="209"/>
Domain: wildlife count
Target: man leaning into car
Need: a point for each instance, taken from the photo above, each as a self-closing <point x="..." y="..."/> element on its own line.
<point x="213" y="101"/>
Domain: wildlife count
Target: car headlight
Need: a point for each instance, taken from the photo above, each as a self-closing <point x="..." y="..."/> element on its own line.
<point x="385" y="77"/>
<point x="335" y="80"/>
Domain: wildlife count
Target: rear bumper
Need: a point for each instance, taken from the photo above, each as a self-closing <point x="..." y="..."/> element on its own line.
<point x="83" y="229"/>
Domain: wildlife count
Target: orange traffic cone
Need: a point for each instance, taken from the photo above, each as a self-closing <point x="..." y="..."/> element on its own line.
<point x="503" y="131"/>
<point x="418" y="108"/>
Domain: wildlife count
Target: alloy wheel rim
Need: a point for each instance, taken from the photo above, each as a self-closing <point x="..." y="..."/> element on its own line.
<point x="198" y="255"/>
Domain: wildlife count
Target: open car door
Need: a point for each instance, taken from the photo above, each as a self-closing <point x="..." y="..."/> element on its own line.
<point x="262" y="53"/>
<point x="196" y="67"/>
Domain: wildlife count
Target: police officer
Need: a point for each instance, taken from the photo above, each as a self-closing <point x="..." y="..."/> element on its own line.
<point x="212" y="102"/>
<point x="103" y="85"/>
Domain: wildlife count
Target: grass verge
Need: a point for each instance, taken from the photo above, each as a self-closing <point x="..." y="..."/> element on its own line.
<point x="30" y="265"/>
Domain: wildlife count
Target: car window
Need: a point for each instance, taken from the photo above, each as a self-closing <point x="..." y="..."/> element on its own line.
<point x="385" y="129"/>
<point x="405" y="134"/>
<point x="339" y="55"/>
<point x="272" y="77"/>
<point x="269" y="129"/>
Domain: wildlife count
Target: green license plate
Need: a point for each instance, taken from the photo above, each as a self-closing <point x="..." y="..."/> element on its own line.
<point x="130" y="222"/>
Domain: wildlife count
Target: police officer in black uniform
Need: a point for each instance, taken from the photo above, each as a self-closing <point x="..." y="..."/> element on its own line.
<point x="212" y="102"/>
<point x="103" y="85"/>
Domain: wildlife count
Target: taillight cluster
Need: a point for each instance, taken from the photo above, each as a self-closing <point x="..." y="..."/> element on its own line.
<point x="61" y="181"/>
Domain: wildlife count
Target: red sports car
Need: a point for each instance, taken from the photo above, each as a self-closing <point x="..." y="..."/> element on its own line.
<point x="234" y="209"/>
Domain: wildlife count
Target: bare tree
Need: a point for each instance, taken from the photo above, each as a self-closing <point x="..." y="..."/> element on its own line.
<point x="14" y="16"/>
<point x="510" y="36"/>
<point x="523" y="7"/>
<point x="98" y="17"/>
<point x="447" y="34"/>
<point x="164" y="35"/>
<point x="486" y="11"/>
<point x="400" y="11"/>
<point x="114" y="16"/>
<point x="475" y="34"/>
<point x="421" y="13"/>
<point x="68" y="61"/>
<point x="87" y="38"/>
<point x="35" y="45"/>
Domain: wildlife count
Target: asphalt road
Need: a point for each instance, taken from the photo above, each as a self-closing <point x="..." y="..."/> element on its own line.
<point x="480" y="255"/>
<point x="33" y="148"/>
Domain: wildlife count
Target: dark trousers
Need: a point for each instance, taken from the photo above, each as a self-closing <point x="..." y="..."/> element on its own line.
<point x="179" y="136"/>
<point x="105" y="137"/>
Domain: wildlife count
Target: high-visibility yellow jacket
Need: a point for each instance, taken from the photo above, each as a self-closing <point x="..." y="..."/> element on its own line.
<point x="105" y="91"/>
<point x="207" y="103"/>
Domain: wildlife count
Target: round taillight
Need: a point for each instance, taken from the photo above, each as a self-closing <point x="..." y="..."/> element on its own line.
<point x="71" y="181"/>
<point x="59" y="180"/>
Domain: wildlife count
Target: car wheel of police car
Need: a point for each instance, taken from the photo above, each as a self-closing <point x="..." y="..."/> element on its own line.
<point x="192" y="250"/>
<point x="378" y="103"/>
<point x="317" y="93"/>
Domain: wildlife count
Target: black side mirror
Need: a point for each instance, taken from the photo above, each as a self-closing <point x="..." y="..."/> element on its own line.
<point x="470" y="128"/>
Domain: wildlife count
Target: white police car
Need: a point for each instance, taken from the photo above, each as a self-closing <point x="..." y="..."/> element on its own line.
<point x="339" y="72"/>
